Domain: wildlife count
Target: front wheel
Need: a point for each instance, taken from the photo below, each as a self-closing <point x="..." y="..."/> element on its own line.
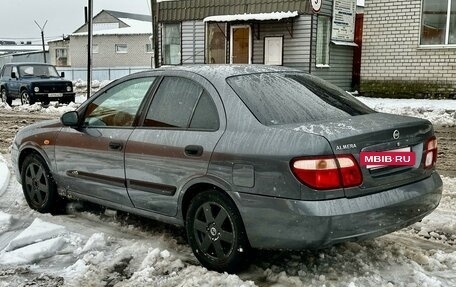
<point x="216" y="232"/>
<point x="5" y="97"/>
<point x="39" y="188"/>
<point x="26" y="99"/>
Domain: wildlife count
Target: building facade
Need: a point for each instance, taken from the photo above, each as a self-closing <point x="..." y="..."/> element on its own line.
<point x="314" y="36"/>
<point x="409" y="48"/>
<point x="119" y="40"/>
<point x="59" y="52"/>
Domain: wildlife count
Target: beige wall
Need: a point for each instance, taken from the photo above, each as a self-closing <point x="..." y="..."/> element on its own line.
<point x="392" y="51"/>
<point x="107" y="56"/>
<point x="58" y="45"/>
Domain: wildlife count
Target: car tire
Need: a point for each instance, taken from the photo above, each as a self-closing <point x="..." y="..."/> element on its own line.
<point x="39" y="188"/>
<point x="216" y="232"/>
<point x="5" y="97"/>
<point x="26" y="99"/>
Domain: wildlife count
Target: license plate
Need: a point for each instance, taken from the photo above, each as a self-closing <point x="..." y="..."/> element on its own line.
<point x="55" y="95"/>
<point x="386" y="155"/>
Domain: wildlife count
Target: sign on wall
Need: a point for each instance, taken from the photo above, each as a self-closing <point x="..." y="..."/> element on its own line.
<point x="343" y="25"/>
<point x="316" y="5"/>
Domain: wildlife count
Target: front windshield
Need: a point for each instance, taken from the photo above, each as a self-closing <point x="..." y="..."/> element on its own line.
<point x="38" y="71"/>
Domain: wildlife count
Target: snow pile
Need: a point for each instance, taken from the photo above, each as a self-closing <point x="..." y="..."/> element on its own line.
<point x="439" y="112"/>
<point x="4" y="175"/>
<point x="38" y="231"/>
<point x="5" y="221"/>
<point x="140" y="264"/>
<point x="81" y="85"/>
<point x="39" y="240"/>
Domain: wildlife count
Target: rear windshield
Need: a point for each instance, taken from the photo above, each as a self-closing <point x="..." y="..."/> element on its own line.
<point x="287" y="98"/>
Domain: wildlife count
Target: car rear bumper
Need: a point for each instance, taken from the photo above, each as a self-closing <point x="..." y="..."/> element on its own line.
<point x="274" y="223"/>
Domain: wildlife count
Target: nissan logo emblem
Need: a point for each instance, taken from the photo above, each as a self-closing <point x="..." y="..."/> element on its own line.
<point x="396" y="134"/>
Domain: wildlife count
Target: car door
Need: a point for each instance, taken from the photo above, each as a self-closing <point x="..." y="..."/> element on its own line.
<point x="90" y="159"/>
<point x="14" y="84"/>
<point x="174" y="143"/>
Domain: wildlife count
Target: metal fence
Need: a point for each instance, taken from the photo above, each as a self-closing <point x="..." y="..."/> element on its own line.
<point x="99" y="74"/>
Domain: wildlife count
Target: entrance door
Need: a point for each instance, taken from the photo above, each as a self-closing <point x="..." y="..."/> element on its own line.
<point x="273" y="50"/>
<point x="241" y="43"/>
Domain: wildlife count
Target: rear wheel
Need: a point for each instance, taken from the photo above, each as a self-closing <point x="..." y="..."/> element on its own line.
<point x="38" y="186"/>
<point x="5" y="97"/>
<point x="26" y="99"/>
<point x="216" y="233"/>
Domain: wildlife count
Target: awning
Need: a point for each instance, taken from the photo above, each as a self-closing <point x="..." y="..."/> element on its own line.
<point x="249" y="17"/>
<point x="342" y="43"/>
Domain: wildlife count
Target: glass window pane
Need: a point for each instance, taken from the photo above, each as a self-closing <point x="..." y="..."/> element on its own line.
<point x="433" y="26"/>
<point x="452" y="38"/>
<point x="173" y="103"/>
<point x="323" y="37"/>
<point x="171" y="44"/>
<point x="216" y="43"/>
<point x="205" y="116"/>
<point x="121" y="48"/>
<point x="276" y="98"/>
<point x="119" y="105"/>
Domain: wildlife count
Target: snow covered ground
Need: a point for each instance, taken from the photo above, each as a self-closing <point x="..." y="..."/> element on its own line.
<point x="89" y="247"/>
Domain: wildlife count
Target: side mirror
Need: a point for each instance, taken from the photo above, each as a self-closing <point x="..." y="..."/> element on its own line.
<point x="13" y="75"/>
<point x="62" y="75"/>
<point x="70" y="119"/>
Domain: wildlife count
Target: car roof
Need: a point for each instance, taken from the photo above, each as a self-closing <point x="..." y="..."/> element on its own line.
<point x="215" y="71"/>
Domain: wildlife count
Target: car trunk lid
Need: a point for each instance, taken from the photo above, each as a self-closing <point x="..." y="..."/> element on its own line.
<point x="374" y="133"/>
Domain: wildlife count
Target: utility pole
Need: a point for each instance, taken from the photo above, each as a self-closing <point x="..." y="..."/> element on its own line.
<point x="89" y="48"/>
<point x="42" y="38"/>
<point x="154" y="14"/>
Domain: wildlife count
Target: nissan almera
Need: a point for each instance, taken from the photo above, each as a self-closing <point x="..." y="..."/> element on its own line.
<point x="241" y="156"/>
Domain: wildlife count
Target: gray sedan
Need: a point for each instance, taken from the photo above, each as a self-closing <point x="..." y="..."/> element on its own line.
<point x="242" y="156"/>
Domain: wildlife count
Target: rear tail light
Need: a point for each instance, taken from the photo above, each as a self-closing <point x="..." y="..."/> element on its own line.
<point x="430" y="153"/>
<point x="328" y="172"/>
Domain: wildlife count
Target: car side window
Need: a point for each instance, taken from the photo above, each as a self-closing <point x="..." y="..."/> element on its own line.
<point x="118" y="106"/>
<point x="205" y="116"/>
<point x="173" y="103"/>
<point x="7" y="71"/>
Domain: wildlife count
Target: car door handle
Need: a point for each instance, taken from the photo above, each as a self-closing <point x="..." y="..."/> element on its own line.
<point x="115" y="146"/>
<point x="193" y="150"/>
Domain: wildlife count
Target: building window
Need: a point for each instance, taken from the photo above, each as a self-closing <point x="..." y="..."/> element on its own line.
<point x="323" y="39"/>
<point x="149" y="48"/>
<point x="61" y="57"/>
<point x="216" y="43"/>
<point x="171" y="44"/>
<point x="95" y="48"/>
<point x="438" y="24"/>
<point x="121" y="48"/>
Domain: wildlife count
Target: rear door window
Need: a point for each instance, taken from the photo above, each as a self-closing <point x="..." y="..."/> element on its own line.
<point x="286" y="98"/>
<point x="180" y="103"/>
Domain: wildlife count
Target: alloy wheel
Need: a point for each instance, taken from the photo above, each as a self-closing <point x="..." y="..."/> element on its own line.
<point x="214" y="231"/>
<point x="25" y="98"/>
<point x="36" y="184"/>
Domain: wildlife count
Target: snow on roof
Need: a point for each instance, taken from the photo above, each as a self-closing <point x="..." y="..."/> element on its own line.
<point x="136" y="27"/>
<point x="21" y="47"/>
<point x="246" y="17"/>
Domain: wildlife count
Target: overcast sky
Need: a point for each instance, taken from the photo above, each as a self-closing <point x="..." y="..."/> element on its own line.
<point x="64" y="16"/>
